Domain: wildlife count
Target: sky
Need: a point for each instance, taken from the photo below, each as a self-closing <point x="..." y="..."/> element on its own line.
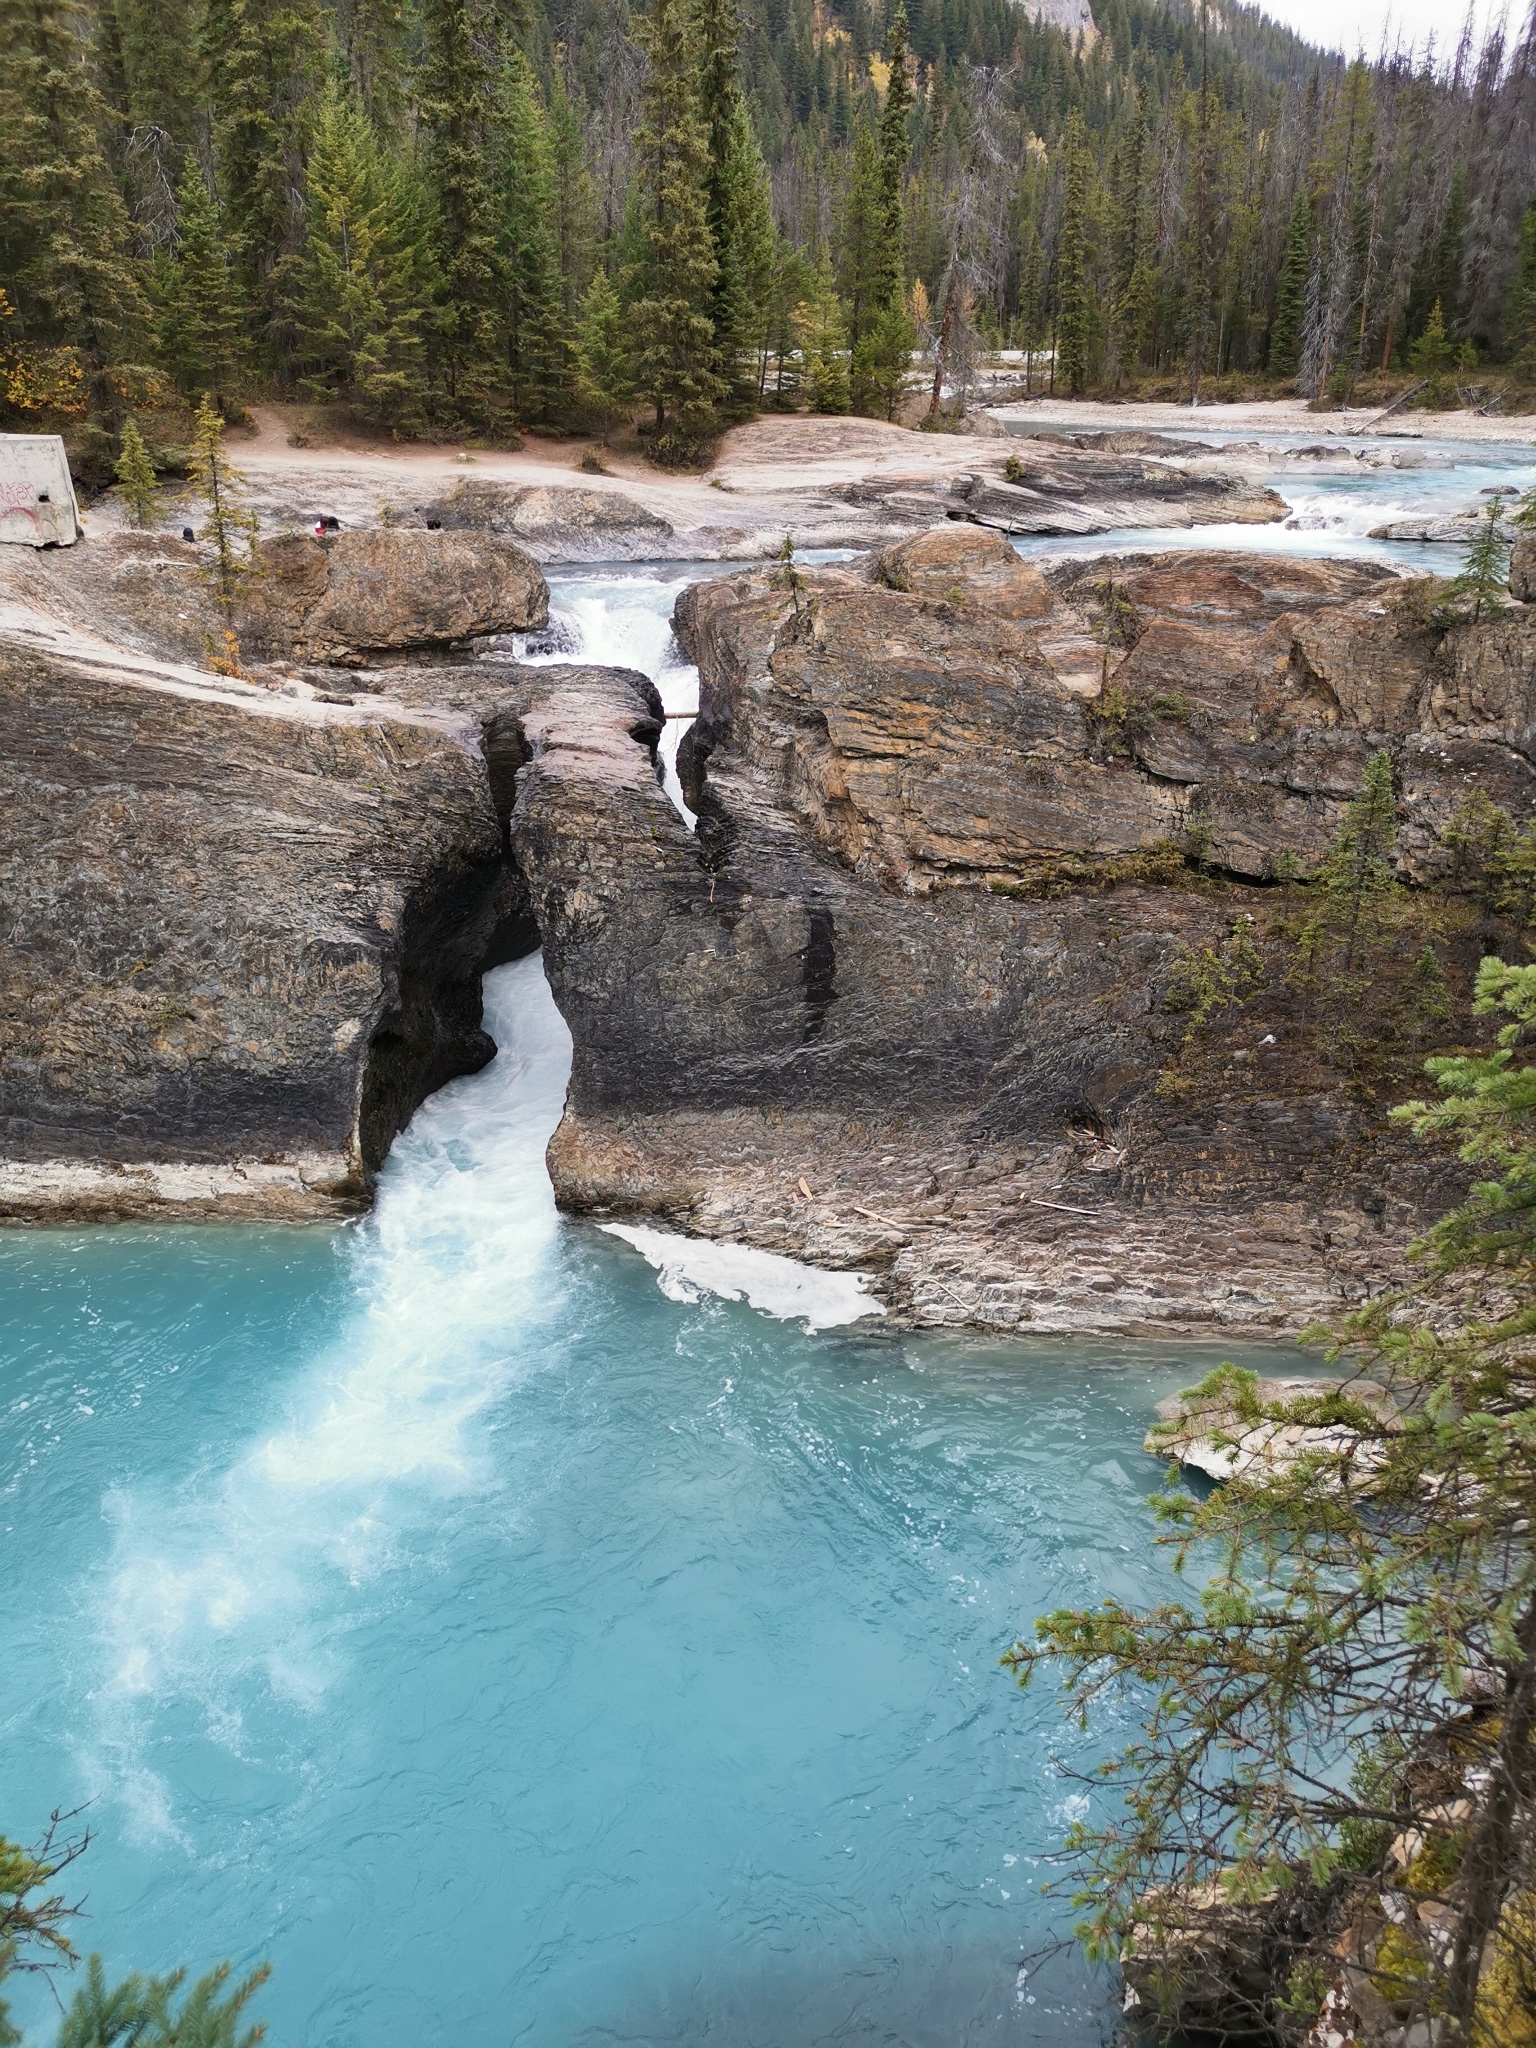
<point x="1349" y="24"/>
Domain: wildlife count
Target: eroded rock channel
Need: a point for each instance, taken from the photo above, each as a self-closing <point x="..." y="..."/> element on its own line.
<point x="902" y="1001"/>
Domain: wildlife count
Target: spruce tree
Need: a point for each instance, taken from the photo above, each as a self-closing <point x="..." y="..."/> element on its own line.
<point x="895" y="149"/>
<point x="532" y="313"/>
<point x="1432" y="354"/>
<point x="885" y="359"/>
<point x="573" y="206"/>
<point x="456" y="95"/>
<point x="1031" y="297"/>
<point x="163" y="83"/>
<point x="1072" y="307"/>
<point x="202" y="318"/>
<point x="1484" y="575"/>
<point x="671" y="283"/>
<point x="266" y="62"/>
<point x="865" y="279"/>
<point x="63" y="226"/>
<point x="374" y="38"/>
<point x="1520" y="306"/>
<point x="753" y="246"/>
<point x="605" y="382"/>
<point x="1132" y="283"/>
<point x="823" y="342"/>
<point x="716" y="34"/>
<point x="1291" y="297"/>
<point x="136" y="484"/>
<point x="361" y="283"/>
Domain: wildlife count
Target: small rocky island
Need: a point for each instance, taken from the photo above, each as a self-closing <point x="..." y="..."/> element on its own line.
<point x="908" y="999"/>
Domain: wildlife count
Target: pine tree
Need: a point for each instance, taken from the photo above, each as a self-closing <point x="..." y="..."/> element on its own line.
<point x="63" y="227"/>
<point x="202" y="321"/>
<point x="531" y="306"/>
<point x="1072" y="307"/>
<point x="1291" y="297"/>
<point x="230" y="527"/>
<point x="136" y="476"/>
<point x="360" y="286"/>
<point x="605" y="382"/>
<point x="456" y="94"/>
<point x="266" y="62"/>
<point x="671" y="283"/>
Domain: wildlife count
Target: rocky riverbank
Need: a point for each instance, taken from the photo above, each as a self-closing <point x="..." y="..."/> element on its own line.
<point x="908" y="999"/>
<point x="832" y="483"/>
<point x="905" y="1005"/>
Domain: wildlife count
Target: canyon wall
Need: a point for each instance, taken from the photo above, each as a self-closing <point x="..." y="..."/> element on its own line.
<point x="909" y="998"/>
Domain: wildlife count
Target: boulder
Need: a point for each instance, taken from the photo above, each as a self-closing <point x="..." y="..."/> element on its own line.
<point x="1205" y="1959"/>
<point x="394" y="589"/>
<point x="350" y="598"/>
<point x="555" y="522"/>
<point x="922" y="741"/>
<point x="966" y="565"/>
<point x="1246" y="1428"/>
<point x="1059" y="489"/>
<point x="243" y="939"/>
<point x="900" y="996"/>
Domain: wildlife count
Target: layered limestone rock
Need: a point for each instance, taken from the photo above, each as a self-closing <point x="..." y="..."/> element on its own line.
<point x="244" y="931"/>
<point x="555" y="522"/>
<point x="1058" y="486"/>
<point x="347" y="599"/>
<point x="1239" y="1427"/>
<point x="900" y="1004"/>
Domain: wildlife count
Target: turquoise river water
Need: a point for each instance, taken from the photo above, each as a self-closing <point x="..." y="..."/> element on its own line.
<point x="512" y="1646"/>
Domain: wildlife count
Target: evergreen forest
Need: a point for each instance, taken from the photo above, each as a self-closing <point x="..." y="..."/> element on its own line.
<point x="492" y="216"/>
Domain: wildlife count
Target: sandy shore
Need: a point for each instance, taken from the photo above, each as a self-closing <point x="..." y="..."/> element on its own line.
<point x="766" y="474"/>
<point x="1269" y="416"/>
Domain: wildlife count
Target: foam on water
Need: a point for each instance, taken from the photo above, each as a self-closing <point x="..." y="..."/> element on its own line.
<point x="624" y="619"/>
<point x="1334" y="515"/>
<point x="688" y="1266"/>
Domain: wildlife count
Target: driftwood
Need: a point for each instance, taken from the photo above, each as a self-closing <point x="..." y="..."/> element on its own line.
<point x="875" y="1217"/>
<point x="1396" y="406"/>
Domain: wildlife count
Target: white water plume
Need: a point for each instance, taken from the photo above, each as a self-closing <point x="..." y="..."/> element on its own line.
<point x="233" y="1576"/>
<point x="626" y="622"/>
